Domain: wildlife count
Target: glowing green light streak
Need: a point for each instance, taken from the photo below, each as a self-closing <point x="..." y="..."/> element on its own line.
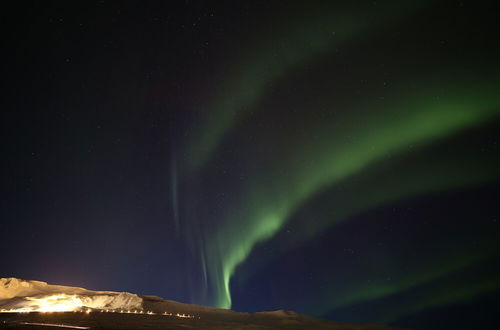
<point x="417" y="272"/>
<point x="448" y="294"/>
<point x="405" y="176"/>
<point x="276" y="53"/>
<point x="422" y="121"/>
<point x="265" y="230"/>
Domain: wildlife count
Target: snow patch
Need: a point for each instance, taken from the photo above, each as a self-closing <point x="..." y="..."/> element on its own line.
<point x="22" y="295"/>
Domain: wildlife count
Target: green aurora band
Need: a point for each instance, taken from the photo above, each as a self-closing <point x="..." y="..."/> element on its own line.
<point x="398" y="177"/>
<point x="301" y="39"/>
<point x="422" y="124"/>
<point x="342" y="148"/>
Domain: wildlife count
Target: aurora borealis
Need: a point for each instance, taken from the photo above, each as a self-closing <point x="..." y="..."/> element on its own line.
<point x="339" y="159"/>
<point x="339" y="147"/>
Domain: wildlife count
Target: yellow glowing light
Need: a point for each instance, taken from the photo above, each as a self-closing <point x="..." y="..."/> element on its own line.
<point x="54" y="303"/>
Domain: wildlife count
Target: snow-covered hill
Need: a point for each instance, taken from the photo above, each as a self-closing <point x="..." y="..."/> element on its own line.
<point x="141" y="312"/>
<point x="22" y="295"/>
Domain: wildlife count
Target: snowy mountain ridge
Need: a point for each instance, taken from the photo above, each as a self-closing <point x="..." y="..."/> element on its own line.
<point x="24" y="295"/>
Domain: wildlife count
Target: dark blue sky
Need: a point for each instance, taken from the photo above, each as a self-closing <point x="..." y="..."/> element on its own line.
<point x="338" y="159"/>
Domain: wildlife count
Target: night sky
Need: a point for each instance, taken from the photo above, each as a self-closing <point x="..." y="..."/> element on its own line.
<point x="340" y="159"/>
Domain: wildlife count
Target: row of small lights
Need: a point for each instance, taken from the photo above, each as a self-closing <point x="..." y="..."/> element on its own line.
<point x="88" y="311"/>
<point x="187" y="316"/>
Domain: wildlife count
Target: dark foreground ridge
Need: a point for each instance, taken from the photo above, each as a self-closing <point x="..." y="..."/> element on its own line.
<point x="37" y="306"/>
<point x="219" y="321"/>
<point x="179" y="316"/>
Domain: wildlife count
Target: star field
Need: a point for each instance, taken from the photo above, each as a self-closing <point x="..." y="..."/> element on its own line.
<point x="337" y="159"/>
